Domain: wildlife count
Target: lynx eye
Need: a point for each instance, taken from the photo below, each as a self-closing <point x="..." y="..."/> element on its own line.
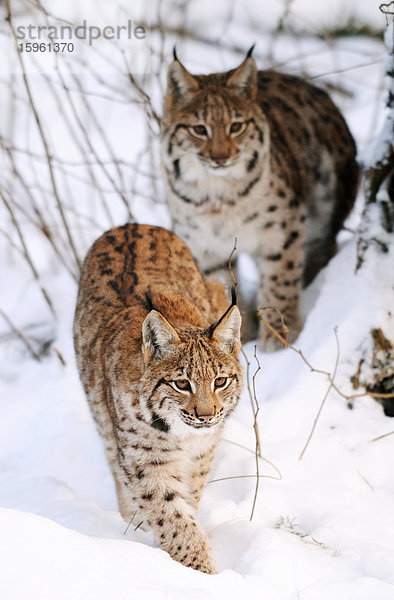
<point x="183" y="385"/>
<point x="236" y="127"/>
<point x="199" y="130"/>
<point x="220" y="382"/>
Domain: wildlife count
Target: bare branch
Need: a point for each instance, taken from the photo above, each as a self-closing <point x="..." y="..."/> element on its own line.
<point x="43" y="139"/>
<point x="26" y="253"/>
<point x="313" y="369"/>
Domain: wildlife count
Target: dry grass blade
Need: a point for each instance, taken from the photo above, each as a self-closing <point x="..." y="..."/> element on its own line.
<point x="129" y="523"/>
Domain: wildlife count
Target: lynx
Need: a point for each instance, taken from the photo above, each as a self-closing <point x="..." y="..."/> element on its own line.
<point x="157" y="352"/>
<point x="265" y="158"/>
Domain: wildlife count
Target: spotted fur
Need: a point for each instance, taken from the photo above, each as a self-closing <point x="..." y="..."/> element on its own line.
<point x="157" y="351"/>
<point x="263" y="157"/>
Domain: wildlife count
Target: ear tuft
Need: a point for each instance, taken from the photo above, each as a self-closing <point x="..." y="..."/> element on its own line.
<point x="244" y="78"/>
<point x="249" y="52"/>
<point x="180" y="83"/>
<point x="158" y="337"/>
<point x="227" y="331"/>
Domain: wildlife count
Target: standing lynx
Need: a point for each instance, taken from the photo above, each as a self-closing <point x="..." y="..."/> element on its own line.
<point x="265" y="158"/>
<point x="157" y="351"/>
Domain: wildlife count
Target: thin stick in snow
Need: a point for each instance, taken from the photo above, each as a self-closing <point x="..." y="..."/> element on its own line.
<point x="324" y="399"/>
<point x="256" y="409"/>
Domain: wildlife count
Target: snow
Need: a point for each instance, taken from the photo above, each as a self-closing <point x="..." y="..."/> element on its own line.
<point x="322" y="527"/>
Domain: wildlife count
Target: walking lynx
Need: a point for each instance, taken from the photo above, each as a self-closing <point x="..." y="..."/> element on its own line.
<point x="157" y="351"/>
<point x="263" y="157"/>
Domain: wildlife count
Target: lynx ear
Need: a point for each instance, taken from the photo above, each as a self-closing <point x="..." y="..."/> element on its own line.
<point x="158" y="337"/>
<point x="227" y="331"/>
<point x="180" y="82"/>
<point x="244" y="78"/>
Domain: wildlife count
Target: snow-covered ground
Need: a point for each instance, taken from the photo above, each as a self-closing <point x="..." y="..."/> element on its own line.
<point x="323" y="526"/>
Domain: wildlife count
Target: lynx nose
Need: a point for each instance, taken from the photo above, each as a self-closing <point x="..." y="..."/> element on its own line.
<point x="205" y="418"/>
<point x="220" y="160"/>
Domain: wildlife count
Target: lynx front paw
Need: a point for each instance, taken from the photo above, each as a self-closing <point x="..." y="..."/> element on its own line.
<point x="206" y="566"/>
<point x="200" y="561"/>
<point x="191" y="548"/>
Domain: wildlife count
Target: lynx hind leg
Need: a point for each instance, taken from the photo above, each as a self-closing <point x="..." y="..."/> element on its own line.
<point x="318" y="252"/>
<point x="331" y="206"/>
<point x="279" y="292"/>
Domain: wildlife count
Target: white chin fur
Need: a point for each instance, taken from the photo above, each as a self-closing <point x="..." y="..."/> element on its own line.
<point x="181" y="430"/>
<point x="193" y="170"/>
<point x="218" y="171"/>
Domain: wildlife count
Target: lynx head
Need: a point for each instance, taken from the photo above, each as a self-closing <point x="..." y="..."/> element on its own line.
<point x="192" y="378"/>
<point x="212" y="123"/>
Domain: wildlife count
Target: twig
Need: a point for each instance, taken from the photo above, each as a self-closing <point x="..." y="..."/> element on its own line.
<point x="146" y="99"/>
<point x="245" y="477"/>
<point x="380" y="437"/>
<point x="26" y="252"/>
<point x="365" y="480"/>
<point x="20" y="336"/>
<point x="256" y="409"/>
<point x="230" y="267"/>
<point x="324" y="399"/>
<point x="252" y="400"/>
<point x="345" y="69"/>
<point x="44" y="141"/>
<point x="92" y="148"/>
<point x="252" y="395"/>
<point x="313" y="369"/>
<point x="41" y="224"/>
<point x="60" y="356"/>
<point x="254" y="452"/>
<point x="79" y="142"/>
